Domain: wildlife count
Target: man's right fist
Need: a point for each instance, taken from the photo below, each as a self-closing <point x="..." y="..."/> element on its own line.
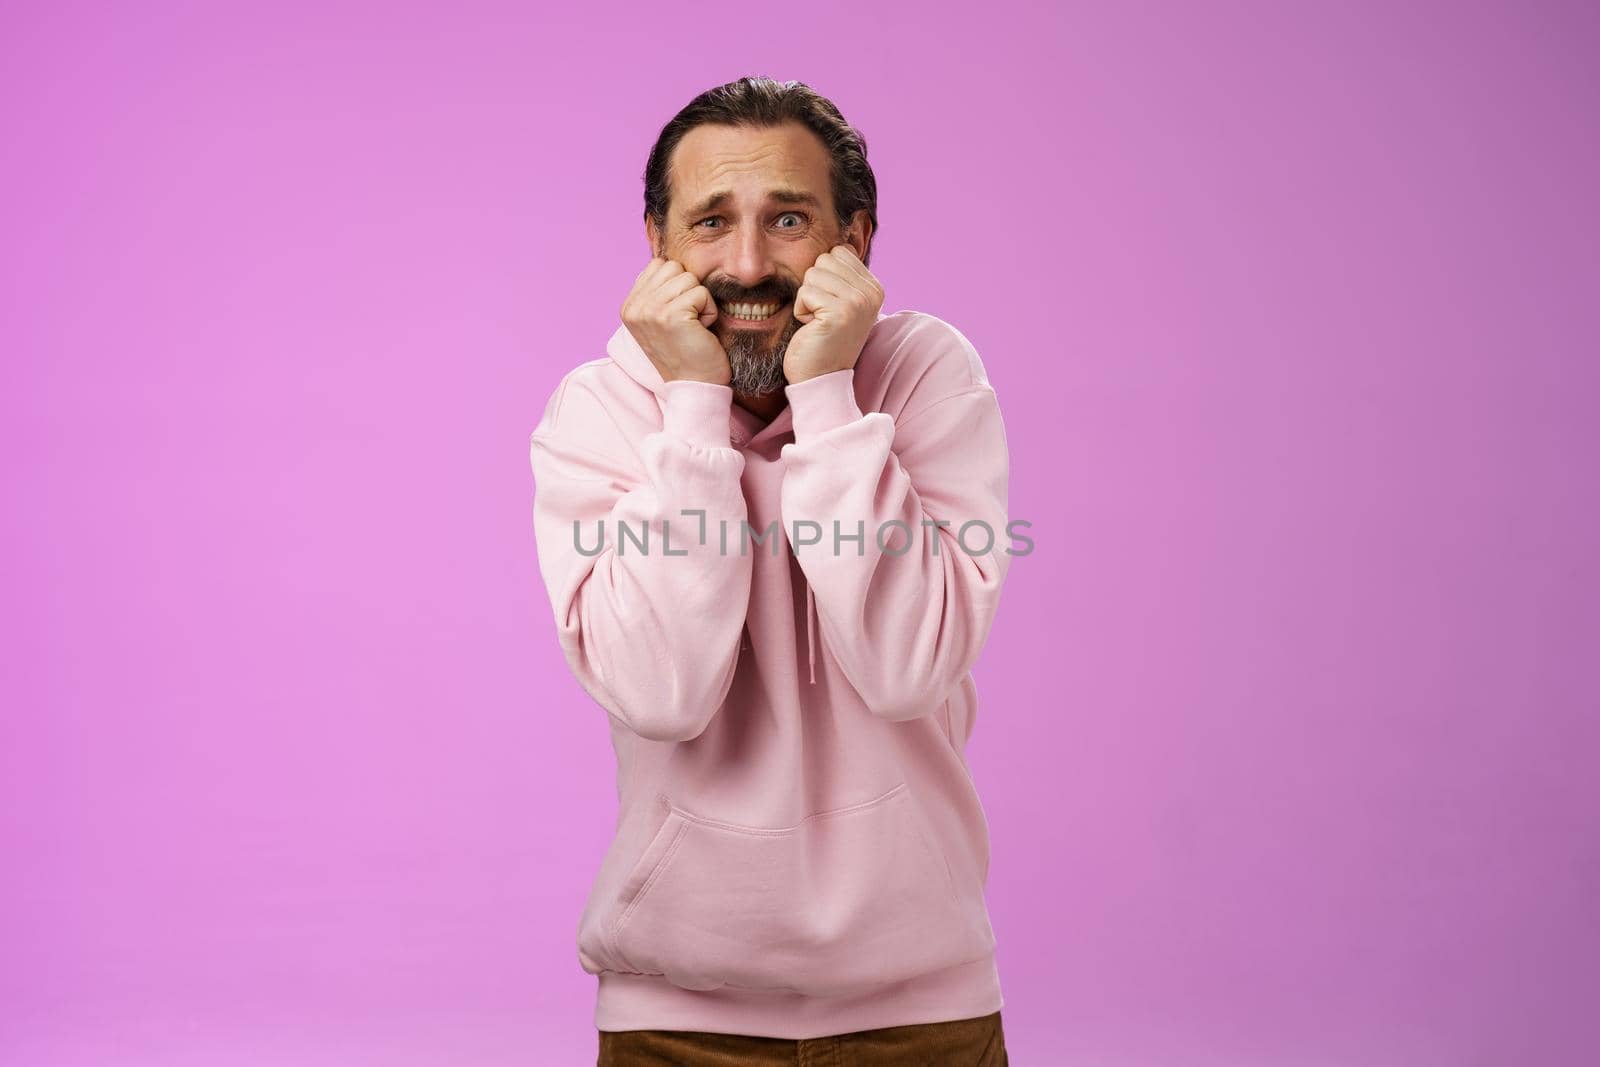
<point x="669" y="313"/>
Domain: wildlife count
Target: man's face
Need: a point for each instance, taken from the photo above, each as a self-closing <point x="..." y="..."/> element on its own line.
<point x="750" y="212"/>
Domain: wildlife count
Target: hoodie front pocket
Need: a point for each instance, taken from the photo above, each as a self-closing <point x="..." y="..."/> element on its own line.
<point x="840" y="902"/>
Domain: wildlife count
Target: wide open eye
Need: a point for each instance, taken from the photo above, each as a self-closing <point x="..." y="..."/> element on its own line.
<point x="799" y="220"/>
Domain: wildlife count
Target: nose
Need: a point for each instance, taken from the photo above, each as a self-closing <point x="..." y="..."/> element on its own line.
<point x="752" y="261"/>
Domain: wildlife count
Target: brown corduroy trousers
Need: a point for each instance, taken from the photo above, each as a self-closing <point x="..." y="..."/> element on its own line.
<point x="976" y="1042"/>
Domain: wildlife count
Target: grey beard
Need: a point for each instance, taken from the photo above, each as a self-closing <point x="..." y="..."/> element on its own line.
<point x="756" y="370"/>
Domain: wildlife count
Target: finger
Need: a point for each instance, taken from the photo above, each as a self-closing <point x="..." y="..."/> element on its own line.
<point x="640" y="284"/>
<point x="666" y="268"/>
<point x="673" y="286"/>
<point x="841" y="260"/>
<point x="831" y="285"/>
<point x="851" y="262"/>
<point x="693" y="298"/>
<point x="708" y="306"/>
<point x="805" y="305"/>
<point x="697" y="298"/>
<point x="847" y="255"/>
<point x="824" y="294"/>
<point x="843" y="279"/>
<point x="646" y="277"/>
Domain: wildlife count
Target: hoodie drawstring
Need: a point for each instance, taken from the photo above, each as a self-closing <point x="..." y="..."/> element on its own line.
<point x="811" y="646"/>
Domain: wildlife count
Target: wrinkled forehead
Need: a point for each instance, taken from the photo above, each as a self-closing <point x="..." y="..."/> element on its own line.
<point x="746" y="167"/>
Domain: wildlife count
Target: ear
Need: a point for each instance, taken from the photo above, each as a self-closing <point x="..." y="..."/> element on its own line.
<point x="652" y="234"/>
<point x="858" y="235"/>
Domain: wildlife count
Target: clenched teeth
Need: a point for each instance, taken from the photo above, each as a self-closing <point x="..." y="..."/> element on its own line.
<point x="751" y="311"/>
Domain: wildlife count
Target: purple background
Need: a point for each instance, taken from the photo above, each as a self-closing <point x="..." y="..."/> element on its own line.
<point x="1289" y="726"/>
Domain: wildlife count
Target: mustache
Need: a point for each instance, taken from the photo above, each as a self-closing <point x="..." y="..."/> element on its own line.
<point x="771" y="293"/>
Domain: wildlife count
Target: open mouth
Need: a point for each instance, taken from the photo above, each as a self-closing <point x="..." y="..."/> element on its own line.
<point x="744" y="314"/>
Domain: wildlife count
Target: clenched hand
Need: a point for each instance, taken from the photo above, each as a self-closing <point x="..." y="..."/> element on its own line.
<point x="838" y="302"/>
<point x="670" y="313"/>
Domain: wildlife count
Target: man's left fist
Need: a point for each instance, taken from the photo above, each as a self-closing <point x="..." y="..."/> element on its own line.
<point x="838" y="302"/>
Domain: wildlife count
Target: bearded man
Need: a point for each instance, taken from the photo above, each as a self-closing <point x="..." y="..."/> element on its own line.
<point x="800" y="855"/>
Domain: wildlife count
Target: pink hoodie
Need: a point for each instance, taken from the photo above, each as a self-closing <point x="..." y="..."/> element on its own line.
<point x="800" y="850"/>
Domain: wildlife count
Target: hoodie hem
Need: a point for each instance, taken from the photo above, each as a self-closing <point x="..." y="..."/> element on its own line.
<point x="651" y="1002"/>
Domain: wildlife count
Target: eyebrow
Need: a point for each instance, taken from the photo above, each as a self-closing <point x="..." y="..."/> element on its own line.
<point x="781" y="196"/>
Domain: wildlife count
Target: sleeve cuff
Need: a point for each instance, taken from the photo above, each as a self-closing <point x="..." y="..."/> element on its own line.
<point x="823" y="402"/>
<point x="697" y="412"/>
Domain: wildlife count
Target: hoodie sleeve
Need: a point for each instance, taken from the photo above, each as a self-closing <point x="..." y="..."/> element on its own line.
<point x="652" y="635"/>
<point x="904" y="608"/>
